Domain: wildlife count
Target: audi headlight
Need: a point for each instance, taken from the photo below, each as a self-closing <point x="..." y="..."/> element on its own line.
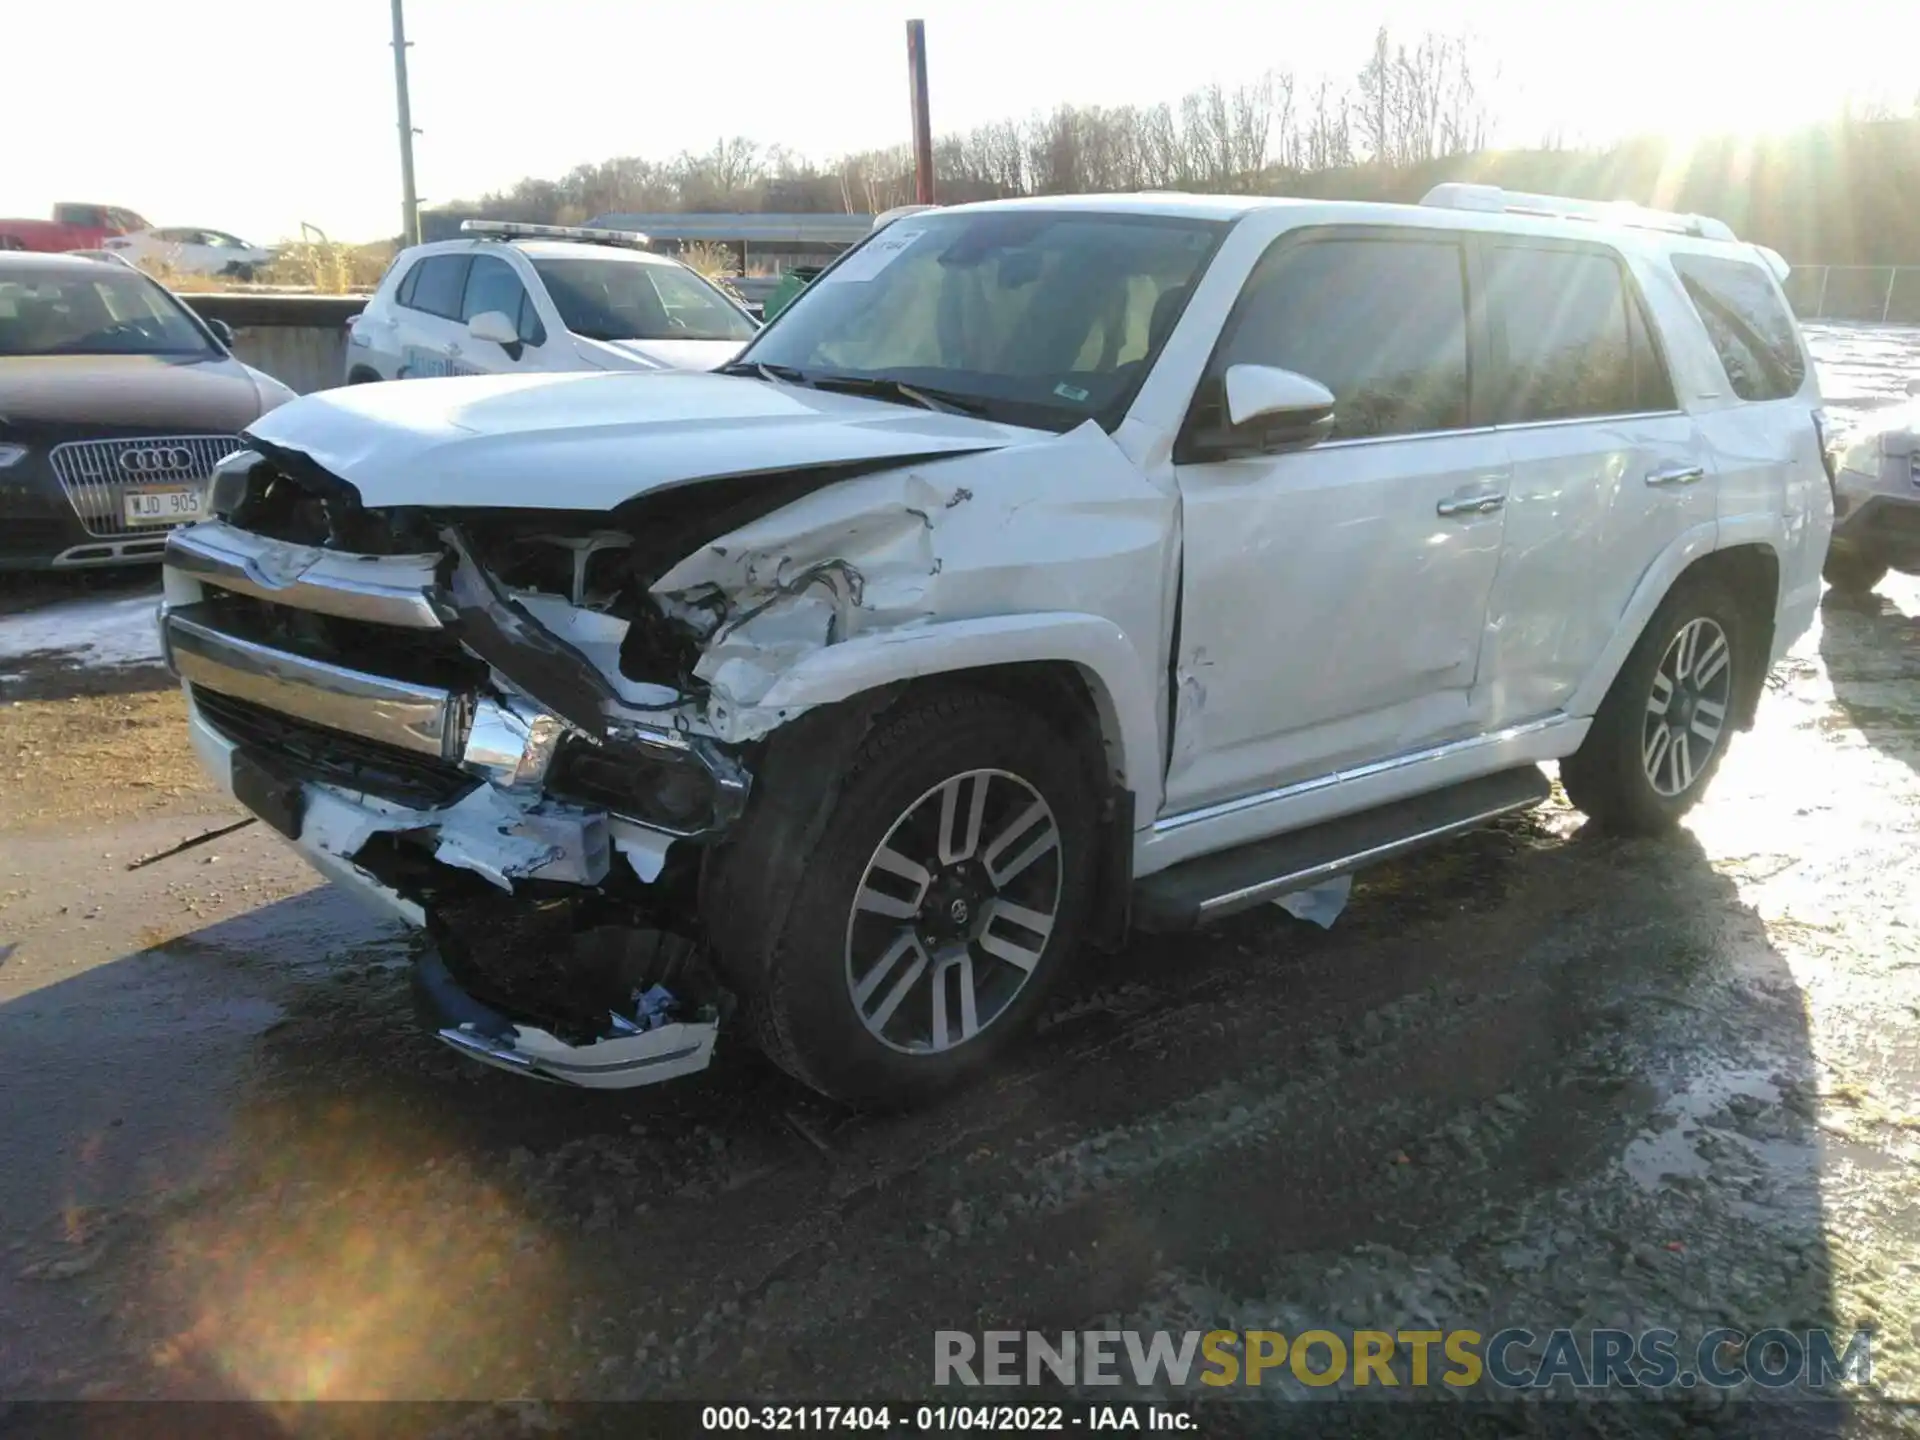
<point x="11" y="454"/>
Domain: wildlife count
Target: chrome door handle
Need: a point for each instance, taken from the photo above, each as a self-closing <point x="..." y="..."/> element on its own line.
<point x="1676" y="475"/>
<point x="1470" y="504"/>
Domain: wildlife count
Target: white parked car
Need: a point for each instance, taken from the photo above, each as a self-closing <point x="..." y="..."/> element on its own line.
<point x="1876" y="497"/>
<point x="523" y="299"/>
<point x="192" y="252"/>
<point x="1047" y="568"/>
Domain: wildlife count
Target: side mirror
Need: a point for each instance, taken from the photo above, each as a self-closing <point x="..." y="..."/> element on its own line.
<point x="1268" y="398"/>
<point x="495" y="326"/>
<point x="222" y="331"/>
<point x="1266" y="411"/>
<point x="1913" y="386"/>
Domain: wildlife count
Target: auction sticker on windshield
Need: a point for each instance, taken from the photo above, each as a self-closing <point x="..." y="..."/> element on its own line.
<point x="875" y="256"/>
<point x="163" y="507"/>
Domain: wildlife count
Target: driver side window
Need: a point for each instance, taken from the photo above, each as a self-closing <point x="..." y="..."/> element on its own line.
<point x="1382" y="323"/>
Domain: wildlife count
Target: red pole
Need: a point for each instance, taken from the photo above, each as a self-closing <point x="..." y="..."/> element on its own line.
<point x="922" y="123"/>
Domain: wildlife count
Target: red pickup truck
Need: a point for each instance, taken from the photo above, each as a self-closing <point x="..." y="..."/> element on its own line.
<point x="73" y="227"/>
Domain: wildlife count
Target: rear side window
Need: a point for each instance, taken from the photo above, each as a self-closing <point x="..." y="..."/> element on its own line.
<point x="436" y="286"/>
<point x="1749" y="324"/>
<point x="1569" y="338"/>
<point x="1380" y="323"/>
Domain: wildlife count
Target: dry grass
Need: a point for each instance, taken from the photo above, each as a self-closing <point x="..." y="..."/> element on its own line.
<point x="330" y="267"/>
<point x="711" y="260"/>
<point x="324" y="267"/>
<point x="95" y="757"/>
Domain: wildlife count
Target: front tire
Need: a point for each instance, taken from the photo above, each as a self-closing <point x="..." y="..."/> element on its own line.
<point x="948" y="887"/>
<point x="1852" y="573"/>
<point x="1665" y="724"/>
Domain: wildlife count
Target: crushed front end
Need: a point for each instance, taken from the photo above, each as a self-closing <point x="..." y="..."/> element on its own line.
<point x="479" y="723"/>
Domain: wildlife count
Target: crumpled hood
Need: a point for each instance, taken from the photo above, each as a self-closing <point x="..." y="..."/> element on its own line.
<point x="591" y="441"/>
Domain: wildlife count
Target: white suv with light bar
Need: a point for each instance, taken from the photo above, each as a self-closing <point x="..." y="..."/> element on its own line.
<point x="1049" y="569"/>
<point x="522" y="299"/>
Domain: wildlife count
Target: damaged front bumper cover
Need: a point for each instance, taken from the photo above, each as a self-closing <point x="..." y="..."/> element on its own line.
<point x="630" y="1057"/>
<point x="473" y="777"/>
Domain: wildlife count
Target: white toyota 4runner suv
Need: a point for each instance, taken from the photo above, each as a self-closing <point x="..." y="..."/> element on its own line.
<point x="1047" y="568"/>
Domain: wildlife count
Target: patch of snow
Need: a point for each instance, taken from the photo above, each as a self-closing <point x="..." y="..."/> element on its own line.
<point x="92" y="634"/>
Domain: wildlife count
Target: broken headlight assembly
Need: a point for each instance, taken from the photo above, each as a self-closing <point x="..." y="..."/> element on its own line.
<point x="680" y="784"/>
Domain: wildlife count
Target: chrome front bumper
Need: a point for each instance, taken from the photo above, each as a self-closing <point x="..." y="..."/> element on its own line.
<point x="502" y="738"/>
<point x="410" y="717"/>
<point x="381" y="589"/>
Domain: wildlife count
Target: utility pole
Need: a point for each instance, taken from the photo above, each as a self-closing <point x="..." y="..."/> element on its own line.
<point x="409" y="200"/>
<point x="922" y="123"/>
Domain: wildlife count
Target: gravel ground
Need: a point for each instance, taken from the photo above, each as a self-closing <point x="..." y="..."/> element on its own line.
<point x="1538" y="1078"/>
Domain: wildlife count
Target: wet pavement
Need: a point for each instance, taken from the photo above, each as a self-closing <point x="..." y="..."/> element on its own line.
<point x="1538" y="1078"/>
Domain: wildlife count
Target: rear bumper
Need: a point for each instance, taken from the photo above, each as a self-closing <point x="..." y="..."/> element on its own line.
<point x="1881" y="524"/>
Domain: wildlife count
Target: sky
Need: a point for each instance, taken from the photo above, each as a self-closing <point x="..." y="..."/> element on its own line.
<point x="259" y="117"/>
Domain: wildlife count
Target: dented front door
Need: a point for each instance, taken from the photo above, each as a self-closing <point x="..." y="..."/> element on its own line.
<point x="1333" y="598"/>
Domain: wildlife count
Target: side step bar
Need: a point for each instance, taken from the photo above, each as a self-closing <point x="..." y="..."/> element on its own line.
<point x="1196" y="891"/>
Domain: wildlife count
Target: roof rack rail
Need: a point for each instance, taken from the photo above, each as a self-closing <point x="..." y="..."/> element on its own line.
<point x="1492" y="199"/>
<point x="899" y="212"/>
<point x="522" y="230"/>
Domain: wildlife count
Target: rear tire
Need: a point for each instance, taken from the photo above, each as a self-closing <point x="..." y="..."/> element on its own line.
<point x="948" y="887"/>
<point x="1660" y="733"/>
<point x="1851" y="572"/>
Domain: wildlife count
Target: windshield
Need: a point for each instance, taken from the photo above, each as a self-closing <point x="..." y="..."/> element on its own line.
<point x="636" y="300"/>
<point x="101" y="311"/>
<point x="1041" y="317"/>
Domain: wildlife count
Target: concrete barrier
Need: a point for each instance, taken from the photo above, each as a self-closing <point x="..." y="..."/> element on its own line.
<point x="300" y="340"/>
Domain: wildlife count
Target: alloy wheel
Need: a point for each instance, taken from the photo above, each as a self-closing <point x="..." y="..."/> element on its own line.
<point x="1687" y="709"/>
<point x="954" y="911"/>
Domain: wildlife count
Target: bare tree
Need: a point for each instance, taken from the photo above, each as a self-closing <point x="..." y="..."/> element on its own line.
<point x="1327" y="141"/>
<point x="1375" y="101"/>
<point x="1408" y="103"/>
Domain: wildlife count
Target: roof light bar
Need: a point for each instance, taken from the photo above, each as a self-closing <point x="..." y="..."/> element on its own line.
<point x="1491" y="199"/>
<point x="521" y="230"/>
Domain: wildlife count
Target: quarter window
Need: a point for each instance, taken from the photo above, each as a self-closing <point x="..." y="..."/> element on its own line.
<point x="1380" y="323"/>
<point x="1569" y="336"/>
<point x="532" y="332"/>
<point x="1751" y="328"/>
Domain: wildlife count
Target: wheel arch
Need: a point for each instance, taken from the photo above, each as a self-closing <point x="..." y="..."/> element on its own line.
<point x="1065" y="665"/>
<point x="749" y="882"/>
<point x="1750" y="570"/>
<point x="362" y="375"/>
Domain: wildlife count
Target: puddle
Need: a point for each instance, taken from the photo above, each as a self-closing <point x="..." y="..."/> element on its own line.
<point x="1699" y="1135"/>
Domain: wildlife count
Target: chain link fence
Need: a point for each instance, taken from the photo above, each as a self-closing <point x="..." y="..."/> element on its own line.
<point x="1884" y="294"/>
